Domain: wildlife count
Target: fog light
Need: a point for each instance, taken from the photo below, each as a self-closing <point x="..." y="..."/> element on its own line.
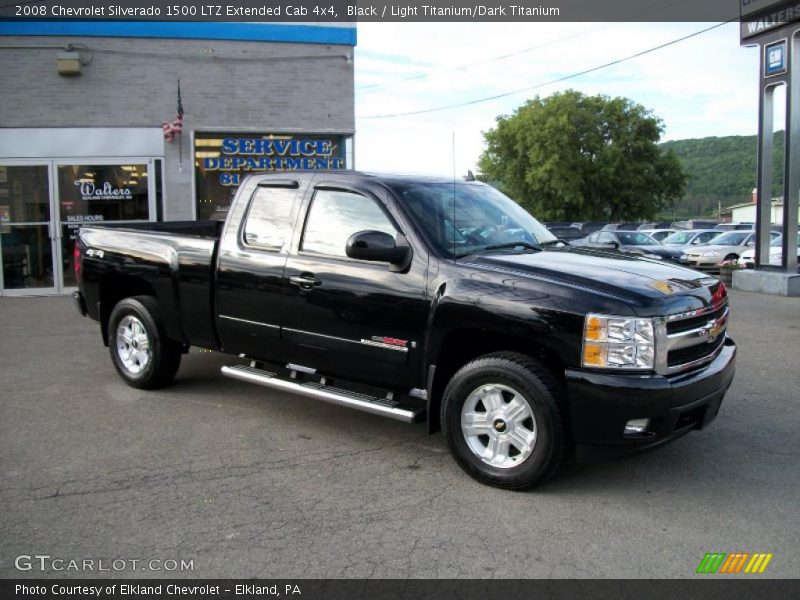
<point x="636" y="426"/>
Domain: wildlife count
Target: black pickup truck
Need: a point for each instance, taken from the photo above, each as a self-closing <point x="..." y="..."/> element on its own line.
<point x="420" y="299"/>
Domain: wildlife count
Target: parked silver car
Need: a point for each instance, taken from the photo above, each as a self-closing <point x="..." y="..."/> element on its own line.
<point x="728" y="246"/>
<point x="658" y="234"/>
<point x="682" y="240"/>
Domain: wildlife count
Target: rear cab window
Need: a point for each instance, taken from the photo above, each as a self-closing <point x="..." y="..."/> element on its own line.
<point x="268" y="224"/>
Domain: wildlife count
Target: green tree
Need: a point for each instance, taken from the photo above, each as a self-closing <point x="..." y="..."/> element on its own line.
<point x="575" y="157"/>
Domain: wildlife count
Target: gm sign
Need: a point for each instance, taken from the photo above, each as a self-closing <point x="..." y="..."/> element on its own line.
<point x="775" y="59"/>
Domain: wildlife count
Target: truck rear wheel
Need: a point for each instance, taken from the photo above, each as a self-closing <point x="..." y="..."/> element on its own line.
<point x="140" y="350"/>
<point x="501" y="418"/>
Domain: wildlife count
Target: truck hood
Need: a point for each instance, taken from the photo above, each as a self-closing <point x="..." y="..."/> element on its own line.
<point x="654" y="287"/>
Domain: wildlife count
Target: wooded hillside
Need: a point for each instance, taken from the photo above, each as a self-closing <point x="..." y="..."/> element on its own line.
<point x="722" y="170"/>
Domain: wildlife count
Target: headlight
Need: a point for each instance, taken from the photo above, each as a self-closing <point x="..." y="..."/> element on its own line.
<point x="711" y="253"/>
<point x="618" y="342"/>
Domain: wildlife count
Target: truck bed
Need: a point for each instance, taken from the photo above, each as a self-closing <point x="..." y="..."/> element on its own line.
<point x="205" y="229"/>
<point x="173" y="261"/>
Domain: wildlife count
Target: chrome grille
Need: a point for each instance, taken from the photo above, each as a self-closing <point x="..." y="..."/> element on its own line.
<point x="689" y="354"/>
<point x="684" y="323"/>
<point x="689" y="340"/>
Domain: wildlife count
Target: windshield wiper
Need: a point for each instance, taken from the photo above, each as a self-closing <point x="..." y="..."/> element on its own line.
<point x="526" y="245"/>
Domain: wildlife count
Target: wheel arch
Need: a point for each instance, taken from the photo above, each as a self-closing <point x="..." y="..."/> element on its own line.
<point x="115" y="287"/>
<point x="163" y="353"/>
<point x="460" y="346"/>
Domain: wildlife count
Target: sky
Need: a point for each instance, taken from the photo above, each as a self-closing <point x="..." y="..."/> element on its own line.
<point x="703" y="86"/>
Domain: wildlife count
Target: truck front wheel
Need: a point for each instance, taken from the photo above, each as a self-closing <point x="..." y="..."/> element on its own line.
<point x="140" y="350"/>
<point x="501" y="418"/>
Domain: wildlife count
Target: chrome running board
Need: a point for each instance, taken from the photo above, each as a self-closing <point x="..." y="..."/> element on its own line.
<point x="385" y="407"/>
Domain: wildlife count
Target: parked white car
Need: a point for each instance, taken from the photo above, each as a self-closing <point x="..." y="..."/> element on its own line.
<point x="748" y="258"/>
<point x="728" y="246"/>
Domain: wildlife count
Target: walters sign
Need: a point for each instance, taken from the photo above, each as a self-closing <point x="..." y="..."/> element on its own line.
<point x="761" y="16"/>
<point x="89" y="191"/>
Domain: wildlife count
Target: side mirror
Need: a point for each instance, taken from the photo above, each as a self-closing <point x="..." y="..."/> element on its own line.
<point x="378" y="246"/>
<point x="750" y="243"/>
<point x="695" y="241"/>
<point x="615" y="245"/>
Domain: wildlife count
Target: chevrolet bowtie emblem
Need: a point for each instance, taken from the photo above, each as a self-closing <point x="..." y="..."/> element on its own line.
<point x="712" y="329"/>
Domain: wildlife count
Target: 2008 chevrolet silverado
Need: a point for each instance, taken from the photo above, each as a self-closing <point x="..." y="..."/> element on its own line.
<point x="420" y="298"/>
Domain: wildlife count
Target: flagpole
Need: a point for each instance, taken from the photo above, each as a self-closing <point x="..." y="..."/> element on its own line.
<point x="180" y="133"/>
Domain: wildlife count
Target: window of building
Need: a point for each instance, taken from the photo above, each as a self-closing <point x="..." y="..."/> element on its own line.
<point x="223" y="159"/>
<point x="336" y="215"/>
<point x="98" y="193"/>
<point x="158" y="169"/>
<point x="26" y="248"/>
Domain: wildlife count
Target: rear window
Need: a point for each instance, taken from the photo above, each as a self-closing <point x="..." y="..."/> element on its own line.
<point x="681" y="237"/>
<point x="732" y="238"/>
<point x="630" y="238"/>
<point x="268" y="224"/>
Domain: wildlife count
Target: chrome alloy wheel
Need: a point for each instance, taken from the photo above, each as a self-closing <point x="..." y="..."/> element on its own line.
<point x="498" y="425"/>
<point x="133" y="345"/>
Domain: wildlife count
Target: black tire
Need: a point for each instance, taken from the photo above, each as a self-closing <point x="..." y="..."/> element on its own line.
<point x="535" y="385"/>
<point x="162" y="356"/>
<point x="731" y="257"/>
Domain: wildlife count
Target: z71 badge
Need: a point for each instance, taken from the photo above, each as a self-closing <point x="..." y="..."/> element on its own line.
<point x="387" y="342"/>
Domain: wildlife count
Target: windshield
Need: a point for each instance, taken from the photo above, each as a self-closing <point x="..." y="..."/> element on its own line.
<point x="732" y="238"/>
<point x="680" y="237"/>
<point x="634" y="238"/>
<point x="482" y="218"/>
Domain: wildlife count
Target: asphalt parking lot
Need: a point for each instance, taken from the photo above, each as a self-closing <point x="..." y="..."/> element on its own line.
<point x="247" y="482"/>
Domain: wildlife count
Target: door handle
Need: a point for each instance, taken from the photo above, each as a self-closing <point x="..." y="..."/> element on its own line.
<point x="305" y="281"/>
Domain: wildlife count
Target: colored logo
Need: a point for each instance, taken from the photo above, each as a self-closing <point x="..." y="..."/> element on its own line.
<point x="775" y="59"/>
<point x="735" y="562"/>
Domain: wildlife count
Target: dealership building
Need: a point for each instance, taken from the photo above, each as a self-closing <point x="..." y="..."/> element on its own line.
<point x="149" y="121"/>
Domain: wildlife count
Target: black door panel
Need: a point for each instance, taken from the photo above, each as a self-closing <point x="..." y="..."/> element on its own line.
<point x="353" y="318"/>
<point x="250" y="285"/>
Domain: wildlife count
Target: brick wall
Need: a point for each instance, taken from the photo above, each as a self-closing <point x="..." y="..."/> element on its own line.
<point x="226" y="85"/>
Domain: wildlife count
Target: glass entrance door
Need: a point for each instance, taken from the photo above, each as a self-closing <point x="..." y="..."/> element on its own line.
<point x="27" y="236"/>
<point x="43" y="205"/>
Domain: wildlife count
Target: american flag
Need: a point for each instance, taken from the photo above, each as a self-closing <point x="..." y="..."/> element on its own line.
<point x="175" y="127"/>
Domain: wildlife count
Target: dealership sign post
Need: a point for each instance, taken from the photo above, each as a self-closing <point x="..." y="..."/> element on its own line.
<point x="774" y="26"/>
